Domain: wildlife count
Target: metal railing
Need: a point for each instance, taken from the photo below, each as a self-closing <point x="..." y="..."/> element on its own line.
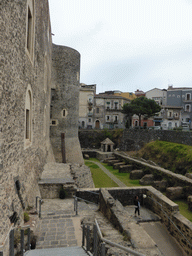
<point x="38" y="199"/>
<point x="76" y="198"/>
<point x="98" y="243"/>
<point x="3" y="243"/>
<point x="23" y="247"/>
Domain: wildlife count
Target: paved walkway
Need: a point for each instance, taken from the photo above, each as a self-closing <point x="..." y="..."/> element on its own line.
<point x="72" y="251"/>
<point x="56" y="231"/>
<point x="113" y="177"/>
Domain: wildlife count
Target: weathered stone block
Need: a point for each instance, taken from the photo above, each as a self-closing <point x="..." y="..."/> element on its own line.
<point x="109" y="159"/>
<point x="117" y="165"/>
<point x="125" y="168"/>
<point x="189" y="200"/>
<point x="160" y="185"/>
<point x="136" y="174"/>
<point x="86" y="156"/>
<point x="147" y="179"/>
<point x="174" y="193"/>
<point x="111" y="162"/>
<point x="188" y="175"/>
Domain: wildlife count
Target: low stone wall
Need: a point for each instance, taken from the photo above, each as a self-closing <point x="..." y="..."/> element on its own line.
<point x="91" y="153"/>
<point x="155" y="201"/>
<point x="126" y="196"/>
<point x="171" y="217"/>
<point x="113" y="211"/>
<point x="89" y="194"/>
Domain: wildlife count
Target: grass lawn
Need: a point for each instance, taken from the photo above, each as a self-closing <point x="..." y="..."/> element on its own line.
<point x="124" y="177"/>
<point x="183" y="208"/>
<point x="100" y="179"/>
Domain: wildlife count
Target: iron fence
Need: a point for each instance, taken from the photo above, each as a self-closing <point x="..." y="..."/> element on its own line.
<point x="95" y="245"/>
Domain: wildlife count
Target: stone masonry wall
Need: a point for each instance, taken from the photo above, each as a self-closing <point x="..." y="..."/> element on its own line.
<point x="135" y="139"/>
<point x="23" y="159"/>
<point x="155" y="201"/>
<point x="66" y="68"/>
<point x="82" y="176"/>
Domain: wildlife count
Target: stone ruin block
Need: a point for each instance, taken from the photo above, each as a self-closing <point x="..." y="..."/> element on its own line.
<point x="125" y="168"/>
<point x="189" y="200"/>
<point x="109" y="159"/>
<point x="86" y="156"/>
<point x="117" y="165"/>
<point x="136" y="174"/>
<point x="147" y="179"/>
<point x="112" y="162"/>
<point x="160" y="185"/>
<point x="174" y="193"/>
<point x="188" y="175"/>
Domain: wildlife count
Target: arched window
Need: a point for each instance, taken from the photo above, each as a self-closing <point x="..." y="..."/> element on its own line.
<point x="28" y="117"/>
<point x="30" y="28"/>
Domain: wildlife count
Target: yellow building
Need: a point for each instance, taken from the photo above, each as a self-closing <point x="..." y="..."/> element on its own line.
<point x="128" y="95"/>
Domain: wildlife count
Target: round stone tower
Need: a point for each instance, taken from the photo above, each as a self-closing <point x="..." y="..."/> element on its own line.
<point x="65" y="105"/>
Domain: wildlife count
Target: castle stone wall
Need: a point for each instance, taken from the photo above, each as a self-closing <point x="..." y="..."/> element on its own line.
<point x="25" y="77"/>
<point x="66" y="68"/>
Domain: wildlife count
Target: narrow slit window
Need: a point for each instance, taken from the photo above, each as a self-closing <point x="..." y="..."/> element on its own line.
<point x="29" y="31"/>
<point x="27" y="124"/>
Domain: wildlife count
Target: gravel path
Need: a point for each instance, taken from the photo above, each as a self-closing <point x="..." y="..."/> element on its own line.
<point x="113" y="177"/>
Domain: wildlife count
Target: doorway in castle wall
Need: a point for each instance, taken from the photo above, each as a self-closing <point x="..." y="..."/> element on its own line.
<point x="97" y="124"/>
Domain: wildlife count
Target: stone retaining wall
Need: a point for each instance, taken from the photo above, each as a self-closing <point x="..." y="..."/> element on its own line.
<point x="91" y="197"/>
<point x="135" y="139"/>
<point x="82" y="176"/>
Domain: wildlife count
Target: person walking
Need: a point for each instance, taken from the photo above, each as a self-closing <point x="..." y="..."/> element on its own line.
<point x="137" y="206"/>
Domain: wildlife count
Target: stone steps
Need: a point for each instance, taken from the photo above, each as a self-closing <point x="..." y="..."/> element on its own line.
<point x="69" y="251"/>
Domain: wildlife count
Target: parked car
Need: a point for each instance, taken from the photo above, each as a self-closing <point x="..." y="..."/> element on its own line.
<point x="155" y="128"/>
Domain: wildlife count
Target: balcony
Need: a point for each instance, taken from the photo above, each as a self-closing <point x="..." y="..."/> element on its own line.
<point x="158" y="117"/>
<point x="90" y="114"/>
<point x="113" y="110"/>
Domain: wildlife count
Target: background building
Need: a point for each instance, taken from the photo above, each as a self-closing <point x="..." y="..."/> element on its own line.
<point x="86" y="105"/>
<point x="181" y="97"/>
<point x="107" y="111"/>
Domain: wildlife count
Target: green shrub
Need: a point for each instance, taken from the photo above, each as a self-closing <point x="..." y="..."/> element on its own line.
<point x="172" y="156"/>
<point x="26" y="217"/>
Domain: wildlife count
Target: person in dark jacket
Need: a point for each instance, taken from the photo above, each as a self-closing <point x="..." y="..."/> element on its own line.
<point x="137" y="205"/>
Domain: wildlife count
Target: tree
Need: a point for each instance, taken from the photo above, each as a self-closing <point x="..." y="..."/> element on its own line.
<point x="141" y="106"/>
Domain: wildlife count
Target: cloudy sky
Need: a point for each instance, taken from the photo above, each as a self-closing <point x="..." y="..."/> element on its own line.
<point x="127" y="44"/>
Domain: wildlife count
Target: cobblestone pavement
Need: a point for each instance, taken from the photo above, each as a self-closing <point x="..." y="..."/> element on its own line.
<point x="56" y="231"/>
